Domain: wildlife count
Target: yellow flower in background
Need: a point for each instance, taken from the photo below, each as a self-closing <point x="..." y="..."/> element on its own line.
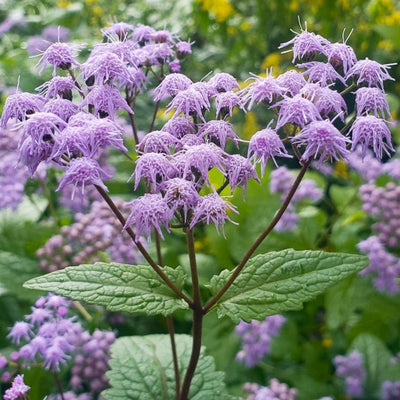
<point x="250" y="125"/>
<point x="273" y="61"/>
<point x="341" y="170"/>
<point x="63" y="3"/>
<point x="221" y="10"/>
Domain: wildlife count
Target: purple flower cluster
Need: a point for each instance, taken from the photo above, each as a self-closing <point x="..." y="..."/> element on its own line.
<point x="352" y="369"/>
<point x="12" y="178"/>
<point x="384" y="266"/>
<point x="281" y="181"/>
<point x="256" y="338"/>
<point x="390" y="390"/>
<point x="275" y="391"/>
<point x="86" y="240"/>
<point x="18" y="389"/>
<point x="50" y="337"/>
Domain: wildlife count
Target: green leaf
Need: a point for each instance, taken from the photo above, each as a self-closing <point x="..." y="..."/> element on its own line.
<point x="279" y="281"/>
<point x="14" y="271"/>
<point x="141" y="369"/>
<point x="118" y="287"/>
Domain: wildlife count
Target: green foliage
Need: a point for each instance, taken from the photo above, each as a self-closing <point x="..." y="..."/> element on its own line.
<point x="118" y="287"/>
<point x="141" y="369"/>
<point x="279" y="281"/>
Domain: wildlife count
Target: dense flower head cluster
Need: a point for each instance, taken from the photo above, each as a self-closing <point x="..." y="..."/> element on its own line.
<point x="351" y="368"/>
<point x="87" y="240"/>
<point x="74" y="118"/>
<point x="281" y="181"/>
<point x="390" y="390"/>
<point x="256" y="338"/>
<point x="18" y="389"/>
<point x="50" y="337"/>
<point x="274" y="391"/>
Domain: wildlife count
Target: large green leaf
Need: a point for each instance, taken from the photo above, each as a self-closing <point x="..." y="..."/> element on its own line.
<point x="14" y="271"/>
<point x="142" y="369"/>
<point x="280" y="281"/>
<point x="118" y="287"/>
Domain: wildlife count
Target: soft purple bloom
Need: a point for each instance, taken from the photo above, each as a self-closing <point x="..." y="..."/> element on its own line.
<point x="174" y="66"/>
<point x="171" y="85"/>
<point x="106" y="101"/>
<point x="143" y="33"/>
<point x="352" y="369"/>
<point x="59" y="55"/>
<point x="239" y="170"/>
<point x="36" y="45"/>
<point x="275" y="391"/>
<point x="19" y="106"/>
<point x="390" y="390"/>
<point x="322" y="140"/>
<point x="266" y="144"/>
<point x="340" y="55"/>
<point x="157" y="142"/>
<point x="81" y="119"/>
<point x="329" y="102"/>
<point x="370" y="131"/>
<point x="32" y="153"/>
<point x="384" y="266"/>
<point x="54" y="357"/>
<point x="162" y="36"/>
<point x="63" y="108"/>
<point x="20" y="330"/>
<point x="223" y="82"/>
<point x="189" y="102"/>
<point x="183" y="48"/>
<point x="262" y="90"/>
<point x="322" y="73"/>
<point x="124" y="50"/>
<point x="119" y="29"/>
<point x="219" y="131"/>
<point x="180" y="194"/>
<point x="107" y="68"/>
<point x="206" y="90"/>
<point x="179" y="127"/>
<point x="83" y="171"/>
<point x="370" y="72"/>
<point x="201" y="158"/>
<point x="158" y="53"/>
<point x="154" y="167"/>
<point x="149" y="212"/>
<point x="18" y="389"/>
<point x="256" y="338"/>
<point x="292" y="81"/>
<point x="296" y="110"/>
<point x="58" y="86"/>
<point x="190" y="140"/>
<point x="212" y="209"/>
<point x="42" y="126"/>
<point x="225" y="101"/>
<point x="367" y="165"/>
<point x="306" y="45"/>
<point x="372" y="100"/>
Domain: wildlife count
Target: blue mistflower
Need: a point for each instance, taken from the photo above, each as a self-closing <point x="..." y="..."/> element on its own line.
<point x="372" y="100"/>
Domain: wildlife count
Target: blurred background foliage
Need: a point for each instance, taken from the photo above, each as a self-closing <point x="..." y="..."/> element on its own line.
<point x="233" y="36"/>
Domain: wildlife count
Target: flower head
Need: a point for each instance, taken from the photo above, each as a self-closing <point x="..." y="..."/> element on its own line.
<point x="63" y="108"/>
<point x="157" y="142"/>
<point x="19" y="106"/>
<point x="32" y="153"/>
<point x="371" y="131"/>
<point x="296" y="110"/>
<point x="322" y="139"/>
<point x="83" y="171"/>
<point x="171" y="85"/>
<point x="218" y="130"/>
<point x="180" y="194"/>
<point x="59" y="55"/>
<point x="188" y="102"/>
<point x="371" y="100"/>
<point x="179" y="127"/>
<point x="306" y="45"/>
<point x="154" y="167"/>
<point x="225" y="101"/>
<point x="369" y="72"/>
<point x="292" y="81"/>
<point x="223" y="82"/>
<point x="239" y="170"/>
<point x="262" y="90"/>
<point x="18" y="389"/>
<point x="341" y="55"/>
<point x="58" y="86"/>
<point x="322" y="73"/>
<point x="149" y="212"/>
<point x="212" y="209"/>
<point x="106" y="101"/>
<point x="266" y="144"/>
